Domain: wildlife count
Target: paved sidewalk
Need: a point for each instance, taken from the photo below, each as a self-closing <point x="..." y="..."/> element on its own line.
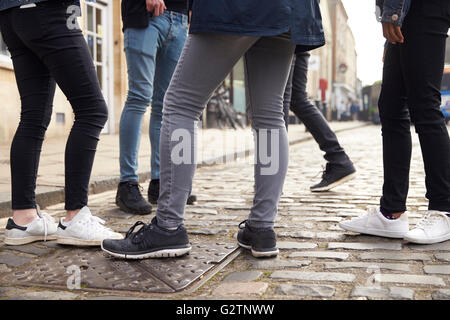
<point x="212" y="144"/>
<point x="317" y="260"/>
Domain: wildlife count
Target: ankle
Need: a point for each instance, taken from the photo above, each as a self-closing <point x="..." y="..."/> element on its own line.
<point x="70" y="214"/>
<point x="397" y="215"/>
<point x="25" y="216"/>
<point x="391" y="216"/>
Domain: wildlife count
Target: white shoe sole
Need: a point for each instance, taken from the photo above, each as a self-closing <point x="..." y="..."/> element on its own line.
<point x="427" y="241"/>
<point x="335" y="184"/>
<point x="25" y="240"/>
<point x="78" y="242"/>
<point x="166" y="253"/>
<point x="373" y="232"/>
<point x="260" y="254"/>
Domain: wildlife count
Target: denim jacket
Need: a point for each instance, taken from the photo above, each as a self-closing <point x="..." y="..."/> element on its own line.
<point x="261" y="18"/>
<point x="393" y="11"/>
<point x="6" y="4"/>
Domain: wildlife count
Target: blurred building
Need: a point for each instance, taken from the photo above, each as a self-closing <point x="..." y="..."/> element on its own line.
<point x="370" y="95"/>
<point x="320" y="71"/>
<point x="344" y="65"/>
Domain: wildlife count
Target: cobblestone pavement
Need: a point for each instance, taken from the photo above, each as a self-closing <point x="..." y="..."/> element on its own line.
<point x="317" y="260"/>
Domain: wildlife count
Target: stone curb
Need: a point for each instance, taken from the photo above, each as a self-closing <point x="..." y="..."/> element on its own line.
<point x="48" y="198"/>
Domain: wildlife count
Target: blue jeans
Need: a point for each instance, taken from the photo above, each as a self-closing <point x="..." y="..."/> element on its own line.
<point x="152" y="55"/>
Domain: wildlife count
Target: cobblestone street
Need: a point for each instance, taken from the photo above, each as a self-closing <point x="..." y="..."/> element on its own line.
<point x="317" y="260"/>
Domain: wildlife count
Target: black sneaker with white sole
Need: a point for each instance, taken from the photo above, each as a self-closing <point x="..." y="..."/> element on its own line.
<point x="150" y="241"/>
<point x="334" y="176"/>
<point x="261" y="241"/>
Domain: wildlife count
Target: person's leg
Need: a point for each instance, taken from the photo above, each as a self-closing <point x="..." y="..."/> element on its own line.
<point x="311" y="116"/>
<point x="267" y="101"/>
<point x="388" y="220"/>
<point x="141" y="47"/>
<point x="271" y="142"/>
<point x="425" y="32"/>
<point x="167" y="59"/>
<point x="188" y="92"/>
<point x="36" y="88"/>
<point x="395" y="127"/>
<point x="66" y="55"/>
<point x="424" y="54"/>
<point x="140" y="78"/>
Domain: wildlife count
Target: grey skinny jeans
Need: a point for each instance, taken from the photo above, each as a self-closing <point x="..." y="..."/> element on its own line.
<point x="205" y="62"/>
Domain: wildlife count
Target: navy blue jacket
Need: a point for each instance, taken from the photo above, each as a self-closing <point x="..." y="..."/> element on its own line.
<point x="6" y="4"/>
<point x="261" y="18"/>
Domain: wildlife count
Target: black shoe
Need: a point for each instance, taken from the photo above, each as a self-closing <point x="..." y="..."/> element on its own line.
<point x="334" y="176"/>
<point x="153" y="193"/>
<point x="151" y="241"/>
<point x="261" y="241"/>
<point x="129" y="199"/>
<point x="191" y="199"/>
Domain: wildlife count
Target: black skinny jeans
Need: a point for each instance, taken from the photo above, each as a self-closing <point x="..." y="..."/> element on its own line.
<point x="296" y="99"/>
<point x="44" y="51"/>
<point x="410" y="92"/>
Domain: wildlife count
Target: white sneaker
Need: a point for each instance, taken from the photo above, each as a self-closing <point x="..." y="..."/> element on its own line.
<point x="374" y="223"/>
<point x="433" y="228"/>
<point x="42" y="228"/>
<point x="85" y="230"/>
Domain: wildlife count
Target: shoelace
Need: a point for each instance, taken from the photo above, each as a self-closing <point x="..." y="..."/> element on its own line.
<point x="45" y="217"/>
<point x="97" y="223"/>
<point x="137" y="224"/>
<point x="431" y="218"/>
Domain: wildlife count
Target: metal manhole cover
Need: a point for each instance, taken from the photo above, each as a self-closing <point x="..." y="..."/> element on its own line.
<point x="100" y="271"/>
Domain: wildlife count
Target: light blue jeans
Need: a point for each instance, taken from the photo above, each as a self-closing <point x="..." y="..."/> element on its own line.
<point x="152" y="55"/>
